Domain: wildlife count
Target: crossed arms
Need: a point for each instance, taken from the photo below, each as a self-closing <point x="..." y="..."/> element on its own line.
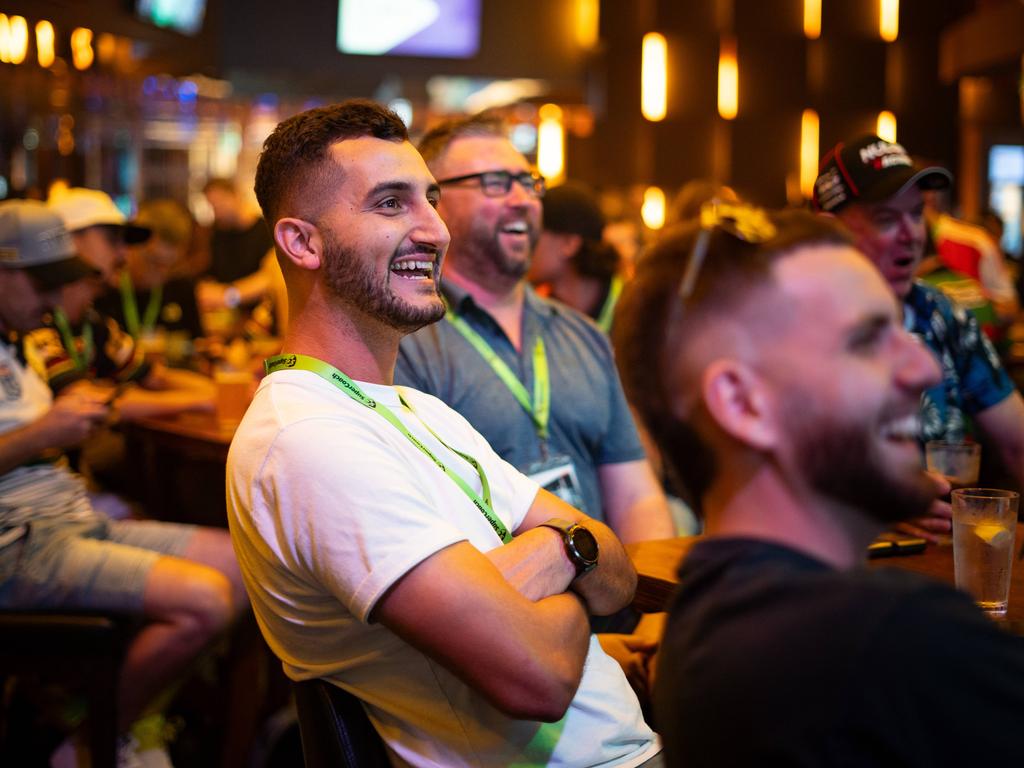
<point x="512" y="622"/>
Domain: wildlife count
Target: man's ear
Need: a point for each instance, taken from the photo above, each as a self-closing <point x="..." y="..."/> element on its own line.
<point x="300" y="242"/>
<point x="737" y="398"/>
<point x="568" y="245"/>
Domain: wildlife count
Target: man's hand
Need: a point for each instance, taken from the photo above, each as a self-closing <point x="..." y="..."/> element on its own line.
<point x="74" y="416"/>
<point x="938" y="521"/>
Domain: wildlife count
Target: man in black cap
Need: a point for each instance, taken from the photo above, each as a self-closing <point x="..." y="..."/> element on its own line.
<point x="571" y="257"/>
<point x="56" y="551"/>
<point x="873" y="187"/>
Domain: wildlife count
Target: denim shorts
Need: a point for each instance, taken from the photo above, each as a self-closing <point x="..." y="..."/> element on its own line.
<point x="91" y="564"/>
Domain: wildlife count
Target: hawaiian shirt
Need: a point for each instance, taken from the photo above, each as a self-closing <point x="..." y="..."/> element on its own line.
<point x="973" y="379"/>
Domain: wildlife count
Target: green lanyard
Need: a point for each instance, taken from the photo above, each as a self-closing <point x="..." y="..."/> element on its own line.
<point x="604" y="317"/>
<point x="131" y="309"/>
<point x="80" y="359"/>
<point x="329" y="373"/>
<point x="539" y="409"/>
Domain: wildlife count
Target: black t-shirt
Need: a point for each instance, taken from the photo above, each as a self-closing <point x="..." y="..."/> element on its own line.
<point x="235" y="253"/>
<point x="771" y="658"/>
<point x="178" y="308"/>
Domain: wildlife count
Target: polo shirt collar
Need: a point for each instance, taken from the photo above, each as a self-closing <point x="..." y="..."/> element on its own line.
<point x="461" y="300"/>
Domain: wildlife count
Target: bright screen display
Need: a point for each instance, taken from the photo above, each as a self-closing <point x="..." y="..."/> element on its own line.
<point x="448" y="28"/>
<point x="1006" y="163"/>
<point x="185" y="16"/>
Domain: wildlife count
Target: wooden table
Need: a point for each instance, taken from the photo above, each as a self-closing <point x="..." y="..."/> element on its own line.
<point x="658" y="561"/>
<point x="181" y="460"/>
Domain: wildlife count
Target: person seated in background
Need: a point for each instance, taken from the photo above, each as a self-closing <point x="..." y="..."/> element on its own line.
<point x="386" y="548"/>
<point x="767" y="357"/>
<point x="533" y="376"/>
<point x="153" y="295"/>
<point x="692" y="195"/>
<point x="571" y="261"/>
<point x="81" y="343"/>
<point x="970" y="250"/>
<point x="872" y="186"/>
<point x="56" y="551"/>
<point x="239" y="242"/>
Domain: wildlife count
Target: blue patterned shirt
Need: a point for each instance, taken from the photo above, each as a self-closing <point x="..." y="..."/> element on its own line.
<point x="973" y="379"/>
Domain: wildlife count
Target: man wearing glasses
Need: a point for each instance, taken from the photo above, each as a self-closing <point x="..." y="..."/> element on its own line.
<point x="872" y="186"/>
<point x="533" y="376"/>
<point x="799" y="439"/>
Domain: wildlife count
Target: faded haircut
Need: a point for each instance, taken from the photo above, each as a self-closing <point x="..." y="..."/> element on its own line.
<point x="652" y="328"/>
<point x="295" y="170"/>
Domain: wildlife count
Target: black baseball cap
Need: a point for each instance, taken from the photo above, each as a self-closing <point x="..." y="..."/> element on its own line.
<point x="870" y="170"/>
<point x="572" y="209"/>
<point x="33" y="238"/>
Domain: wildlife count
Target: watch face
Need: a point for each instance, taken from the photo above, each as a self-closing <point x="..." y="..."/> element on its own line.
<point x="584" y="543"/>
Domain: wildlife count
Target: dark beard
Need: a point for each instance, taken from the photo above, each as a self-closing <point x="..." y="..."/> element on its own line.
<point x="356" y="282"/>
<point x="487" y="256"/>
<point x="839" y="462"/>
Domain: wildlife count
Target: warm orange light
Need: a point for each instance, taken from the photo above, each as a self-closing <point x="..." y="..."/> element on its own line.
<point x="106" y="48"/>
<point x="728" y="80"/>
<point x="17" y="39"/>
<point x="588" y="19"/>
<point x="44" y="43"/>
<point x="551" y="143"/>
<point x="808" y="151"/>
<point x="812" y="19"/>
<point x="889" y="19"/>
<point x="81" y="48"/>
<point x="652" y="211"/>
<point x="654" y="77"/>
<point x="5" y="39"/>
<point x="886" y="128"/>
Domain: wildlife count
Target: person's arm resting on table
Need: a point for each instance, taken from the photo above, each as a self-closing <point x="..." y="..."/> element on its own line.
<point x="1003" y="425"/>
<point x="68" y="422"/>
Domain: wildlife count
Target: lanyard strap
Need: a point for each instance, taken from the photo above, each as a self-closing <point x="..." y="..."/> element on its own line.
<point x="80" y="359"/>
<point x="539" y="409"/>
<point x="604" y="317"/>
<point x="131" y="309"/>
<point x="332" y="375"/>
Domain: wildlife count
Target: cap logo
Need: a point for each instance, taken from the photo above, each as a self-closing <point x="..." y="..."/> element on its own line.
<point x="882" y="154"/>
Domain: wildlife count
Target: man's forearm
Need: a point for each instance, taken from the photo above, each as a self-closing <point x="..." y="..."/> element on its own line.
<point x="21" y="445"/>
<point x="611" y="585"/>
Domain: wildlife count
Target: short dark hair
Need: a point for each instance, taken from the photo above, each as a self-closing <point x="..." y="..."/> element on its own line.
<point x="292" y="161"/>
<point x="651" y="327"/>
<point x="436" y="141"/>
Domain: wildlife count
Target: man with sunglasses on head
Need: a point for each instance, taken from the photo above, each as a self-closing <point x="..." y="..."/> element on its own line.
<point x="872" y="186"/>
<point x="775" y="374"/>
<point x="534" y="376"/>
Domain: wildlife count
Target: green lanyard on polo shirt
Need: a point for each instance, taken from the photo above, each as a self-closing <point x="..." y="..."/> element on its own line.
<point x="131" y="309"/>
<point x="539" y="409"/>
<point x="604" y="317"/>
<point x="332" y="375"/>
<point x="80" y="359"/>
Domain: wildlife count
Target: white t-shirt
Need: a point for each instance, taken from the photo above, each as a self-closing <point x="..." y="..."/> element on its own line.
<point x="329" y="505"/>
<point x="46" y="489"/>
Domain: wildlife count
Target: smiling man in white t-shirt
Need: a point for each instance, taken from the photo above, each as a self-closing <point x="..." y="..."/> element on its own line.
<point x="386" y="548"/>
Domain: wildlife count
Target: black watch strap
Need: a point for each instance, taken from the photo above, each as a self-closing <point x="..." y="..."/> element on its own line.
<point x="580" y="545"/>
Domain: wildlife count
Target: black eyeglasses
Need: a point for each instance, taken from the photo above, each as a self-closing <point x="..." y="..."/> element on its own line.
<point x="498" y="183"/>
<point x="744" y="222"/>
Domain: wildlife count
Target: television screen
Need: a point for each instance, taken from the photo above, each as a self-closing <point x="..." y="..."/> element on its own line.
<point x="1006" y="163"/>
<point x="449" y="28"/>
<point x="185" y="16"/>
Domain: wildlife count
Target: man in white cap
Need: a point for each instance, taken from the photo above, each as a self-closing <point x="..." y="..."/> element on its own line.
<point x="56" y="551"/>
<point x="85" y="344"/>
<point x="873" y="187"/>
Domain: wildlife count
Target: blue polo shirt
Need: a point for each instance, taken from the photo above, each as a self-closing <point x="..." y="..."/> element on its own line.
<point x="973" y="379"/>
<point x="590" y="421"/>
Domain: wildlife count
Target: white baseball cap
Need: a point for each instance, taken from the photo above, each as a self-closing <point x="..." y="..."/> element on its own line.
<point x="33" y="238"/>
<point x="80" y="208"/>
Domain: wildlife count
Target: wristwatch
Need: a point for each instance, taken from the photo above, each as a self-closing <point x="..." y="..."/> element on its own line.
<point x="580" y="544"/>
